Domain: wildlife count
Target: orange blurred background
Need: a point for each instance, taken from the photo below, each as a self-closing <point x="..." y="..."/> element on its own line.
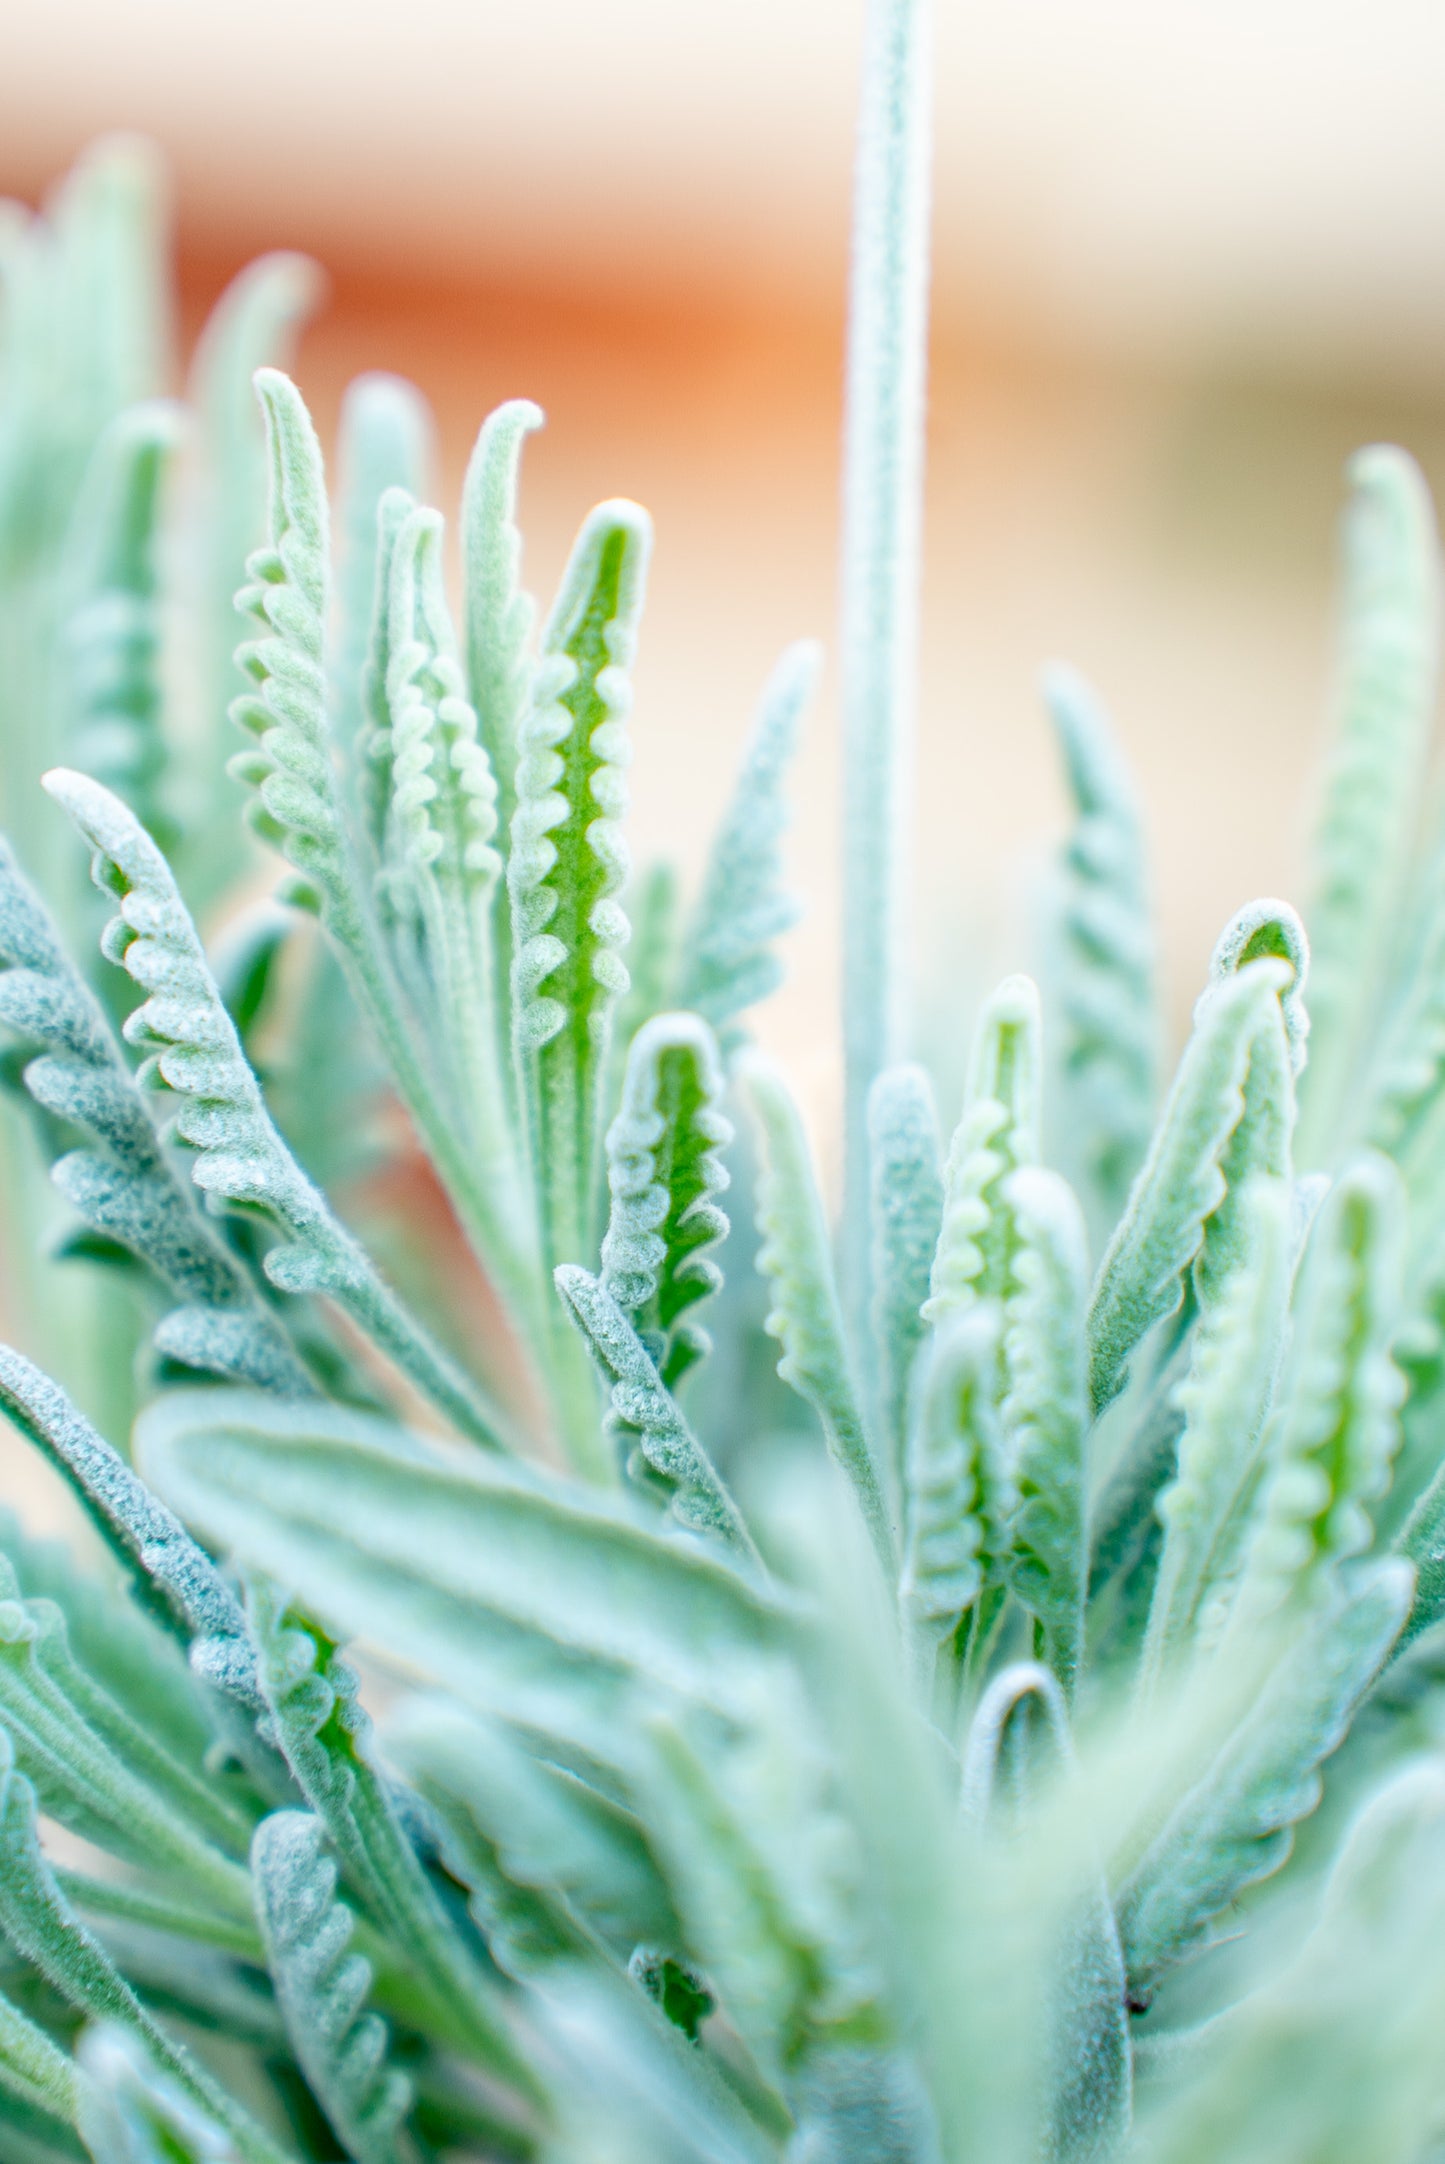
<point x="1189" y="255"/>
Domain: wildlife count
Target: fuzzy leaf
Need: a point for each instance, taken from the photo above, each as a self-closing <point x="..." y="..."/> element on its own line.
<point x="459" y="1570"/>
<point x="1018" y="1740"/>
<point x="907" y="1176"/>
<point x="727" y="960"/>
<point x="32" y="2068"/>
<point x="958" y="1498"/>
<point x="123" y="1185"/>
<point x="1361" y="2077"/>
<point x="287" y="595"/>
<point x="806" y="1318"/>
<point x="665" y="1174"/>
<point x="1205" y="1510"/>
<point x="174" y="1578"/>
<point x="1237" y="1824"/>
<point x="1333" y="1439"/>
<point x="1108" y="1051"/>
<point x="1388" y="669"/>
<point x="323" y="1732"/>
<point x="241" y="1158"/>
<point x="385" y="442"/>
<point x="40" y="1924"/>
<point x="1045" y="1412"/>
<point x="112" y="634"/>
<point x="95" y="1770"/>
<point x="322" y="1989"/>
<point x="498" y="615"/>
<point x="764" y="1874"/>
<point x="998" y="1132"/>
<point x="568" y="860"/>
<point x="550" y="1831"/>
<point x="643" y="1406"/>
<point x="1143" y="1276"/>
<point x="131" y="2114"/>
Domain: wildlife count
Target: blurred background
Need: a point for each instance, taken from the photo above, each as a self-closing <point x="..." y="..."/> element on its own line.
<point x="1190" y="253"/>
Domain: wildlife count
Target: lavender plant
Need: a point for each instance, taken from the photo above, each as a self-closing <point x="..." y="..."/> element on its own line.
<point x="1000" y="1717"/>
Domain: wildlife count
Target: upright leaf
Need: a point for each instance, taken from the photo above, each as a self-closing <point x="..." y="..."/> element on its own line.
<point x="1236" y="1824"/>
<point x="958" y="1499"/>
<point x="806" y="1317"/>
<point x="1226" y="1397"/>
<point x="998" y="1132"/>
<point x="40" y="1924"/>
<point x="1333" y="1438"/>
<point x="194" y="1049"/>
<point x="644" y="1408"/>
<point x="743" y="907"/>
<point x="1144" y="1274"/>
<point x="498" y="614"/>
<point x="123" y="1184"/>
<point x="175" y="1578"/>
<point x="131" y="2114"/>
<point x="1107" y="1058"/>
<point x="112" y="639"/>
<point x="1045" y="1413"/>
<point x="1018" y="1742"/>
<point x="322" y="1989"/>
<point x="324" y="1733"/>
<point x="1388" y="668"/>
<point x="567" y="862"/>
<point x="665" y="1174"/>
<point x="907" y="1192"/>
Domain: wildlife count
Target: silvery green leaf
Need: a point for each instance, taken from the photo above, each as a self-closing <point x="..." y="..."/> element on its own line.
<point x="1332" y="1440"/>
<point x="112" y="636"/>
<point x="131" y="2114"/>
<point x="254" y="324"/>
<point x="135" y="1660"/>
<point x="1236" y="1825"/>
<point x="633" y="2087"/>
<point x="1225" y="1400"/>
<point x="567" y="861"/>
<point x="743" y="907"/>
<point x="498" y="614"/>
<point x="958" y="1495"/>
<point x="240" y="1157"/>
<point x="32" y="2068"/>
<point x="123" y="1184"/>
<point x="806" y="1317"/>
<point x="1107" y="1058"/>
<point x="384" y="442"/>
<point x="1144" y="1274"/>
<point x="665" y="1174"/>
<point x="644" y="1408"/>
<point x="1388" y="670"/>
<point x="1361" y="2050"/>
<point x="96" y="1770"/>
<point x="1018" y="1742"/>
<point x="173" y="1577"/>
<point x="323" y="1732"/>
<point x="457" y="1568"/>
<point x="997" y="1132"/>
<point x="763" y="1872"/>
<point x="38" y="1921"/>
<point x="322" y="1989"/>
<point x="550" y="1831"/>
<point x="1261" y="1146"/>
<point x="907" y="1176"/>
<point x="1045" y="1412"/>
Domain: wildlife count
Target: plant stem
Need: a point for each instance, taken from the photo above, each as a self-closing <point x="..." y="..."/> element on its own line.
<point x="882" y="500"/>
